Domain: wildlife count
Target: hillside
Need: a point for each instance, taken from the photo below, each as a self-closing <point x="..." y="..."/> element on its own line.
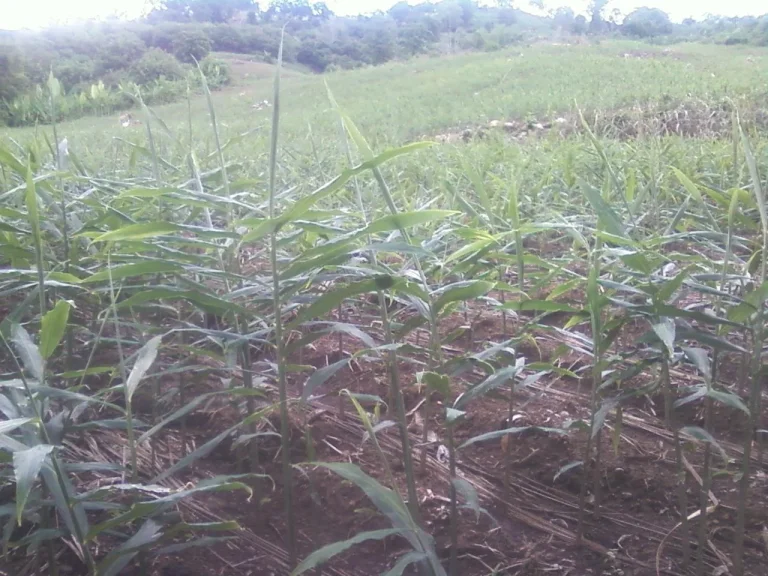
<point x="102" y="67"/>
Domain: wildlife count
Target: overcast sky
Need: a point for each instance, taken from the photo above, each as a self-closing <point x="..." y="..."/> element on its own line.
<point x="38" y="13"/>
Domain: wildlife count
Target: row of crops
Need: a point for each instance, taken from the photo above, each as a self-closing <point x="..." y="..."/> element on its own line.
<point x="140" y="283"/>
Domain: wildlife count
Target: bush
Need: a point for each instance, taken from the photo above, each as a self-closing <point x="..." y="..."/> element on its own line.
<point x="77" y="70"/>
<point x="12" y="79"/>
<point x="190" y="45"/>
<point x="217" y="72"/>
<point x="737" y="39"/>
<point x="315" y="54"/>
<point x="118" y="50"/>
<point x="225" y="38"/>
<point x="156" y="64"/>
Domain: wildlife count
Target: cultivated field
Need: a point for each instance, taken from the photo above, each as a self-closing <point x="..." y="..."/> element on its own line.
<point x="484" y="314"/>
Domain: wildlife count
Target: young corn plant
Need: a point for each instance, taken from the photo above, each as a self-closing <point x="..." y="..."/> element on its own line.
<point x="390" y="503"/>
<point x="44" y="413"/>
<point x="757" y="300"/>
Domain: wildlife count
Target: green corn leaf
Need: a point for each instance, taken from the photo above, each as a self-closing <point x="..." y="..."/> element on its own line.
<point x="701" y="435"/>
<point x="757" y="187"/>
<point x="601" y="415"/>
<point x="149" y="533"/>
<point x="204" y="542"/>
<point x="452" y="415"/>
<point x="302" y="206"/>
<point x="321" y="376"/>
<point x="385" y="500"/>
<point x="667" y="290"/>
<point x="566" y="468"/>
<point x="469" y="495"/>
<point x="709" y="339"/>
<point x="331" y="300"/>
<point x="204" y="301"/>
<point x="32" y="213"/>
<point x="139" y="232"/>
<point x="148" y="192"/>
<point x="479" y="185"/>
<point x="487" y="437"/>
<point x="144" y="361"/>
<point x="700" y="358"/>
<point x="403" y="220"/>
<point x="727" y="399"/>
<point x="461" y="292"/>
<point x="605" y="213"/>
<point x="665" y="330"/>
<point x="493" y="381"/>
<point x="7" y="426"/>
<point x="325" y="553"/>
<point x="53" y="326"/>
<point x="539" y="306"/>
<point x="330" y="328"/>
<point x="28" y="351"/>
<point x="133" y="270"/>
<point x="474" y="247"/>
<point x="26" y="468"/>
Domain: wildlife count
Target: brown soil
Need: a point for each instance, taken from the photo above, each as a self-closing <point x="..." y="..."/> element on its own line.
<point x="532" y="517"/>
<point x="530" y="528"/>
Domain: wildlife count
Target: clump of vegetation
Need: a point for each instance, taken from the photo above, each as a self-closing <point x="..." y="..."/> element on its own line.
<point x="191" y="45"/>
<point x="154" y="65"/>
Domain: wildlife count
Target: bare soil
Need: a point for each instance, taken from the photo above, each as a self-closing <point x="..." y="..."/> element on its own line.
<point x="532" y="518"/>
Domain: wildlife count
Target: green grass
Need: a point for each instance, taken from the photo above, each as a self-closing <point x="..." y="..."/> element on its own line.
<point x="401" y="102"/>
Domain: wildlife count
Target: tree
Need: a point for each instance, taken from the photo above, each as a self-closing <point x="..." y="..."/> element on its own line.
<point x="216" y="11"/>
<point x="315" y="54"/>
<point x="468" y="8"/>
<point x="596" y="8"/>
<point x="12" y="79"/>
<point x="400" y="12"/>
<point x="297" y="10"/>
<point x="647" y="22"/>
<point x="155" y="64"/>
<point x="580" y="25"/>
<point x="190" y="45"/>
<point x="564" y="18"/>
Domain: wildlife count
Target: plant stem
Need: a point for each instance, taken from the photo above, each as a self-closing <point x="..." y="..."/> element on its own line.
<point x="285" y="427"/>
<point x="452" y="566"/>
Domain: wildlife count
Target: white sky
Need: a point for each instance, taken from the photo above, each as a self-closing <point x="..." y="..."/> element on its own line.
<point x="39" y="13"/>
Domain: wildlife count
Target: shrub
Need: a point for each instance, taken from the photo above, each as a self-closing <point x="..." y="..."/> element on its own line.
<point x="190" y="45"/>
<point x="225" y="38"/>
<point x="156" y="64"/>
<point x="12" y="79"/>
<point x="117" y="51"/>
<point x="315" y="54"/>
<point x="217" y="72"/>
<point x="77" y="70"/>
<point x="736" y="39"/>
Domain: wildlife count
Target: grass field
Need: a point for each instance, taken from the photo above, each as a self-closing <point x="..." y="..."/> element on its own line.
<point x="489" y="314"/>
